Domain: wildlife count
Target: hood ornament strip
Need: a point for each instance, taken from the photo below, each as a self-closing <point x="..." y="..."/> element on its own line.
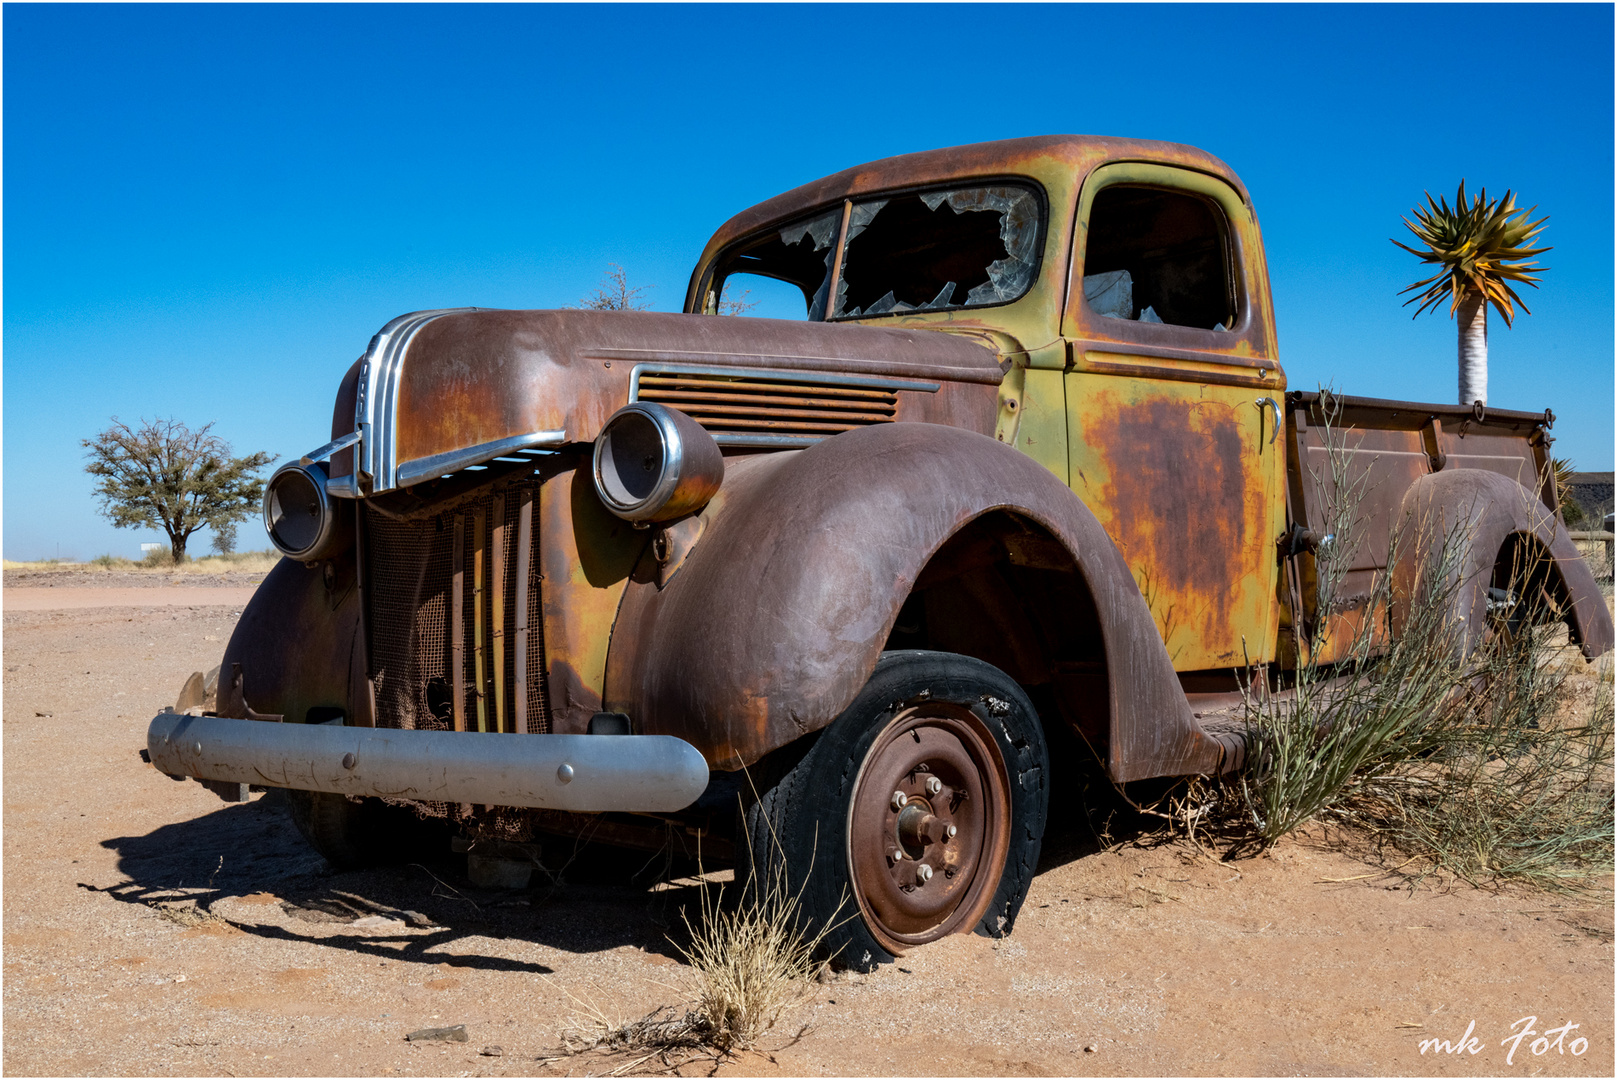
<point x="330" y="448"/>
<point x="430" y="468"/>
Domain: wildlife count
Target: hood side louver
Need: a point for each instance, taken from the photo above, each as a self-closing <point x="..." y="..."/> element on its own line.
<point x="761" y="407"/>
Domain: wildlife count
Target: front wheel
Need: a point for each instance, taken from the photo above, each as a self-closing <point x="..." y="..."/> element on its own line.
<point x="915" y="814"/>
<point x="353" y="833"/>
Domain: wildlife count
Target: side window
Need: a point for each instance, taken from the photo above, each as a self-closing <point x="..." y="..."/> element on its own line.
<point x="1162" y="256"/>
<point x="784" y="274"/>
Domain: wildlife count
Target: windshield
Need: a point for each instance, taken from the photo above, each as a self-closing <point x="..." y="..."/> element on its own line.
<point x="923" y="251"/>
<point x="966" y="247"/>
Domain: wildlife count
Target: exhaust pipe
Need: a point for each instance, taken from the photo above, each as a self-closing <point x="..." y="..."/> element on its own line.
<point x="580" y="773"/>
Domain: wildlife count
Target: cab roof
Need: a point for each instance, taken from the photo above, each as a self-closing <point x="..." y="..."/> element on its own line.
<point x="1026" y="156"/>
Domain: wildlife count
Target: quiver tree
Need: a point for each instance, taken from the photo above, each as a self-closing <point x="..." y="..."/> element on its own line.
<point x="166" y="476"/>
<point x="1479" y="248"/>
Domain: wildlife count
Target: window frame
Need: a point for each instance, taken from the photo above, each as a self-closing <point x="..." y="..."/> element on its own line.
<point x="1233" y="214"/>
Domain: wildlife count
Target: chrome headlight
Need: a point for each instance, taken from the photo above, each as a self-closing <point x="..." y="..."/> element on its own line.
<point x="298" y="514"/>
<point x="653" y="463"/>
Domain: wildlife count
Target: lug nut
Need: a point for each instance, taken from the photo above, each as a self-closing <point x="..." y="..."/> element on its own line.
<point x="898" y="856"/>
<point x="933" y="785"/>
<point x="924" y="872"/>
<point x="950" y="831"/>
<point x="899" y="799"/>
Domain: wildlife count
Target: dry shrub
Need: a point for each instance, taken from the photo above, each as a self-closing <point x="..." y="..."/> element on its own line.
<point x="1521" y="787"/>
<point x="751" y="961"/>
<point x="1477" y="760"/>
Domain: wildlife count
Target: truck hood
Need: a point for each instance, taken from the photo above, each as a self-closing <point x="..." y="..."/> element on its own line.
<point x="440" y="390"/>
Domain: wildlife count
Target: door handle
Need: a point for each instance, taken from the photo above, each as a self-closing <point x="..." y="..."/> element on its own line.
<point x="1269" y="401"/>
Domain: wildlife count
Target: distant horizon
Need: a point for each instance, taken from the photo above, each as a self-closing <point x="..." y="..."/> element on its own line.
<point x="210" y="209"/>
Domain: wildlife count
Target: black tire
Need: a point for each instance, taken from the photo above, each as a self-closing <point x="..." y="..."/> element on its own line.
<point x="352" y="833"/>
<point x="822" y="812"/>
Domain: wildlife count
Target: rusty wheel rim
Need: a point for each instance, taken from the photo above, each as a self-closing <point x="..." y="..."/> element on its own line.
<point x="930" y="826"/>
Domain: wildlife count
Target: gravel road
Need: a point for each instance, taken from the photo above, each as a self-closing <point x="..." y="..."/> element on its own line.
<point x="150" y="929"/>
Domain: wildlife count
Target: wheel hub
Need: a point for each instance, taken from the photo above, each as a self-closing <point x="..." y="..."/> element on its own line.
<point x="930" y="828"/>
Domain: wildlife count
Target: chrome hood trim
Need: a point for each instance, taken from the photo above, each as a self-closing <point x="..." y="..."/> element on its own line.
<point x="376" y="409"/>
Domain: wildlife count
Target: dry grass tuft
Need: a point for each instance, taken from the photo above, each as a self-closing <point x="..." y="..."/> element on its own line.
<point x="750" y="962"/>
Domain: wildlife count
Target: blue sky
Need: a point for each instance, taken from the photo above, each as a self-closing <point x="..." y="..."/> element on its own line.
<point x="209" y="210"/>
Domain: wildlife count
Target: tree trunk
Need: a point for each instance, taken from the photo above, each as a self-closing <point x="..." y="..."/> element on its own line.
<point x="176" y="547"/>
<point x="1473" y="322"/>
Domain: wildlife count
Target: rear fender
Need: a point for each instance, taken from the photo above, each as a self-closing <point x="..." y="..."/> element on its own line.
<point x="776" y="617"/>
<point x="1491" y="513"/>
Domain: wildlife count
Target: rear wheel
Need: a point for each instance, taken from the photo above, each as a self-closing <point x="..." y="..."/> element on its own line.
<point x="916" y="814"/>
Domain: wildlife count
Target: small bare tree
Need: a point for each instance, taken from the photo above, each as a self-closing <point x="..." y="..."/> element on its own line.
<point x="166" y="476"/>
<point x="224" y="538"/>
<point x="614" y="293"/>
<point x="738" y="304"/>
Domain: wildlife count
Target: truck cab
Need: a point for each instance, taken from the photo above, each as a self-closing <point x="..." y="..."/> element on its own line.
<point x="1122" y="285"/>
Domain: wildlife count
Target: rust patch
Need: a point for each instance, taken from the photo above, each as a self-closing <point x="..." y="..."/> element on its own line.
<point x="1176" y="473"/>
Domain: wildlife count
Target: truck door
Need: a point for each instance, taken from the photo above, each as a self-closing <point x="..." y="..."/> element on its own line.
<point x="1173" y="397"/>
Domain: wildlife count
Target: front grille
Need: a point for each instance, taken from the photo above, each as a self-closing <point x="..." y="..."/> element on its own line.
<point x="411" y="616"/>
<point x="739" y="407"/>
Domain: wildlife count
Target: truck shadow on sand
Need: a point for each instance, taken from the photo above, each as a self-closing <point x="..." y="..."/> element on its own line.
<point x="589" y="899"/>
<point x="252" y="850"/>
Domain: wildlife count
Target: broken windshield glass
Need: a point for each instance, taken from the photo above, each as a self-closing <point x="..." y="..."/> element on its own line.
<point x="970" y="247"/>
<point x="800" y="255"/>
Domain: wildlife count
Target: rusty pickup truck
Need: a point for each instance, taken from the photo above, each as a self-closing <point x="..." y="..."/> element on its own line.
<point x="1025" y="468"/>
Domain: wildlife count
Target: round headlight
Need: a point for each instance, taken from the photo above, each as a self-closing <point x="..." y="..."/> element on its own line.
<point x="653" y="463"/>
<point x="298" y="514"/>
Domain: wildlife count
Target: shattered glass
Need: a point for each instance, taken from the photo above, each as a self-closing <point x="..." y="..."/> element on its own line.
<point x="818" y="229"/>
<point x="920" y="252"/>
<point x="1009" y="277"/>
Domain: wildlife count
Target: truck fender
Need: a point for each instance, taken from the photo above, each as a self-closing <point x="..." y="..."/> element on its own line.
<point x="778" y="614"/>
<point x="296" y="642"/>
<point x="1488" y="515"/>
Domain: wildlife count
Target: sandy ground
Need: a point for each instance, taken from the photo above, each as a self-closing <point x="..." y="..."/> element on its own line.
<point x="54" y="599"/>
<point x="1134" y="960"/>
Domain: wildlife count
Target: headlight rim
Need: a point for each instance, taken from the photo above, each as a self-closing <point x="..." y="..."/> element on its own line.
<point x="692" y="466"/>
<point x="326" y="531"/>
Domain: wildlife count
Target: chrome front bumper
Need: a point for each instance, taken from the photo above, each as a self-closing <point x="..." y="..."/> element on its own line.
<point x="583" y="773"/>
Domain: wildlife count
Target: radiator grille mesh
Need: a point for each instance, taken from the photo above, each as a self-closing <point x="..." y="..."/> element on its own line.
<point x="409" y="571"/>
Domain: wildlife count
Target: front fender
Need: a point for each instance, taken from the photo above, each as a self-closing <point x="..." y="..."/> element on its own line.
<point x="296" y="642"/>
<point x="776" y="619"/>
<point x="1483" y="511"/>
